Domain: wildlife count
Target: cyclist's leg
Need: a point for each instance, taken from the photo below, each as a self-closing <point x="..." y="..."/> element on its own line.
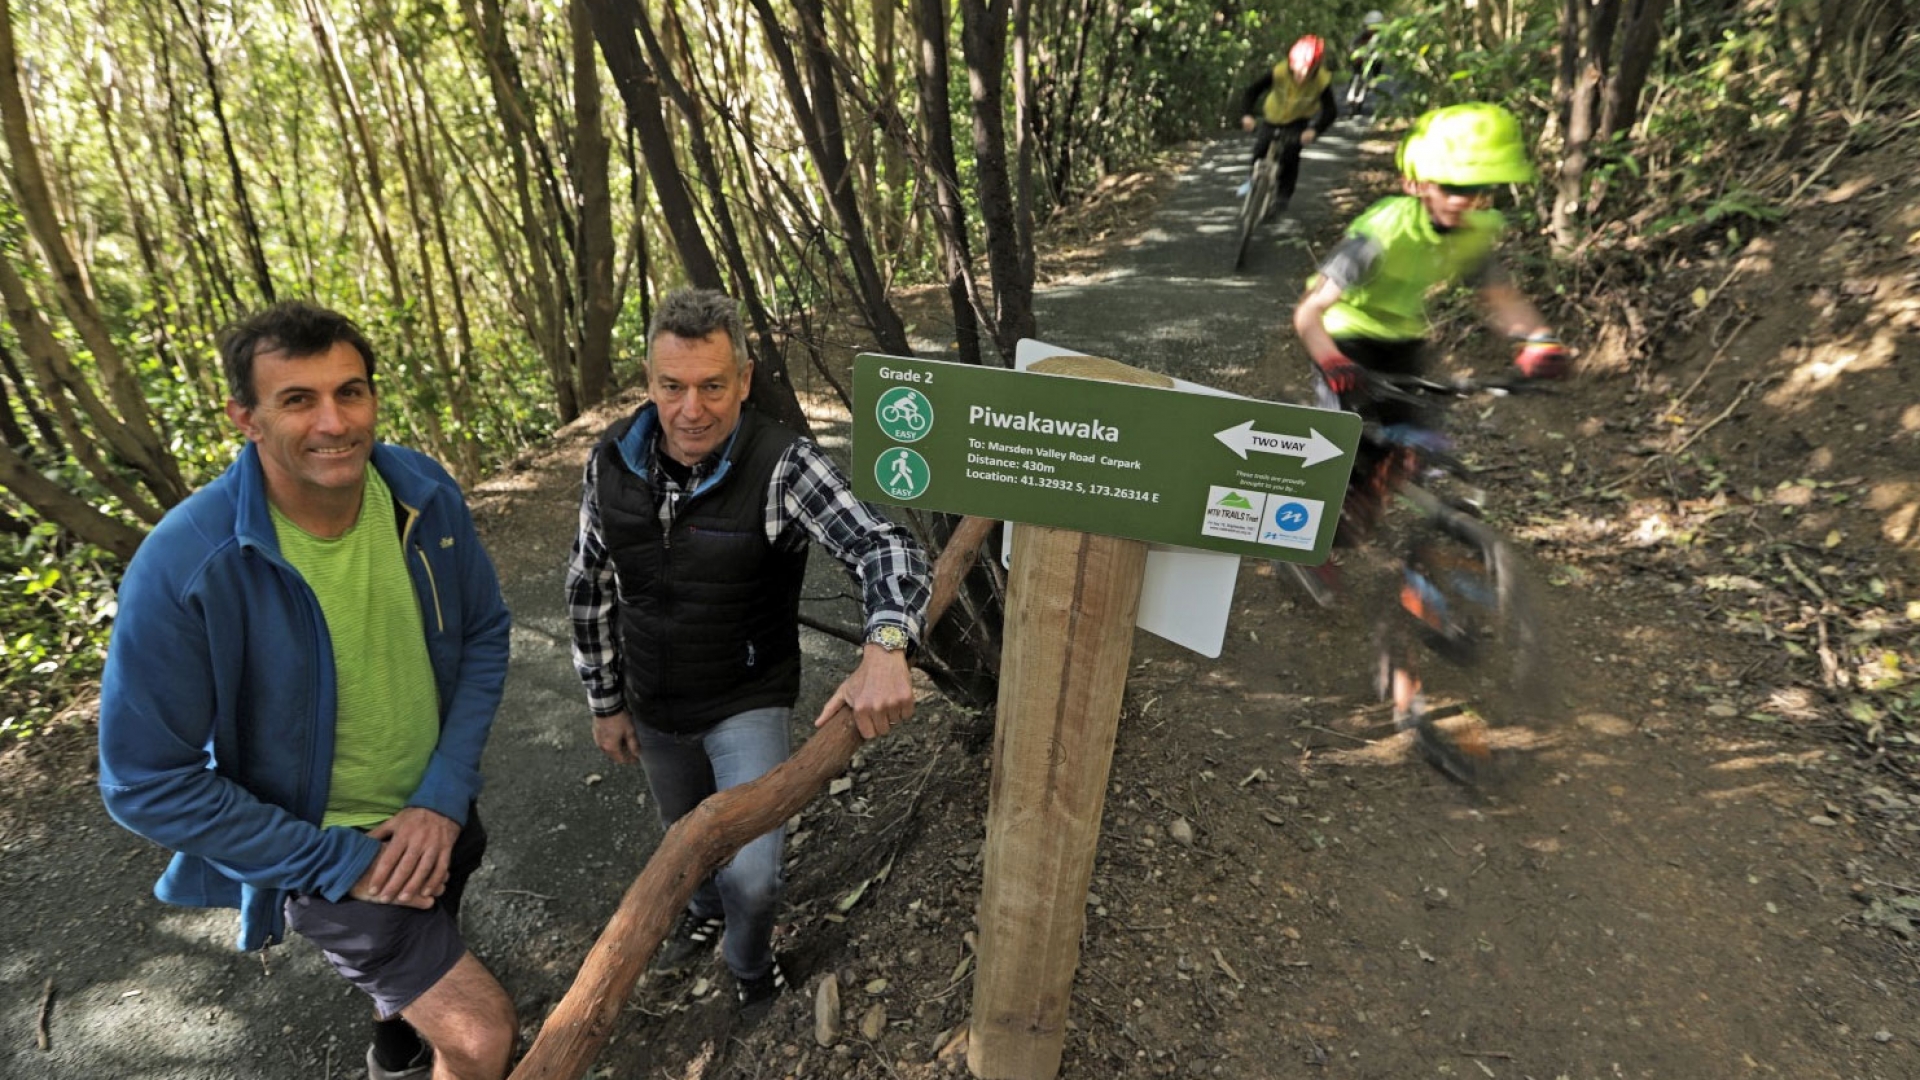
<point x="1405" y="357"/>
<point x="1289" y="163"/>
<point x="1263" y="133"/>
<point x="1372" y="479"/>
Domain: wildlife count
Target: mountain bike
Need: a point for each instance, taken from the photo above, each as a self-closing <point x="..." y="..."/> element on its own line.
<point x="1459" y="636"/>
<point x="1262" y="192"/>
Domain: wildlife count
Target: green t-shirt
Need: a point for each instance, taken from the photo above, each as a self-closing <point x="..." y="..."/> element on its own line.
<point x="1392" y="257"/>
<point x="388" y="717"/>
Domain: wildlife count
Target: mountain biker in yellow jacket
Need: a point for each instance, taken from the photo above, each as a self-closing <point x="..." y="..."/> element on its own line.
<point x="1365" y="310"/>
<point x="1293" y="102"/>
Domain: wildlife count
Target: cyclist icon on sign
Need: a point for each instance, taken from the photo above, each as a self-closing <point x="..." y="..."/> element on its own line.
<point x="904" y="414"/>
<point x="905" y="411"/>
<point x="901" y="473"/>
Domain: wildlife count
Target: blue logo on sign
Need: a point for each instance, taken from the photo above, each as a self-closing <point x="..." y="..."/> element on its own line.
<point x="1291" y="517"/>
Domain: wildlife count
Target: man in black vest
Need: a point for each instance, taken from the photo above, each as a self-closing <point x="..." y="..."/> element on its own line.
<point x="684" y="591"/>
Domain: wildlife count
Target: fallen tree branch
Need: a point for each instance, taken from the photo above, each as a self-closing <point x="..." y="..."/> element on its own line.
<point x="1748" y="388"/>
<point x="1711" y="360"/>
<point x="698" y="844"/>
<point x="42" y="1036"/>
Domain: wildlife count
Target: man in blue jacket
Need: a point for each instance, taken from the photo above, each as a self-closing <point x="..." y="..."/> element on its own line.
<point x="308" y="655"/>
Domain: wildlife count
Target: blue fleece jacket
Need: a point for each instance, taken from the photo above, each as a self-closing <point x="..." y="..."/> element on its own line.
<point x="217" y="706"/>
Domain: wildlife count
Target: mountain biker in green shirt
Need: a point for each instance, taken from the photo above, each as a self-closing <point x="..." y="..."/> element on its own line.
<point x="1365" y="310"/>
<point x="1294" y="102"/>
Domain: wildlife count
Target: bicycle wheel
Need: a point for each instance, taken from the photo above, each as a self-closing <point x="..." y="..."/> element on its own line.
<point x="1253" y="210"/>
<point x="1249" y="221"/>
<point x="1462" y="642"/>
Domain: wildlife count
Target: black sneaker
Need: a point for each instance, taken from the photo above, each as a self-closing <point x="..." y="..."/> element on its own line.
<point x="418" y="1069"/>
<point x="756" y="995"/>
<point x="692" y="939"/>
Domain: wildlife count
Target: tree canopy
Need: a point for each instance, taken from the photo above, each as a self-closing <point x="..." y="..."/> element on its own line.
<point x="496" y="192"/>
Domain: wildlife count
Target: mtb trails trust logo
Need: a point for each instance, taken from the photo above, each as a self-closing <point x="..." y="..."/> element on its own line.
<point x="1233" y="513"/>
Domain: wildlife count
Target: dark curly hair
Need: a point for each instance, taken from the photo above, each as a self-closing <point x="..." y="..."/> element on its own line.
<point x="295" y="327"/>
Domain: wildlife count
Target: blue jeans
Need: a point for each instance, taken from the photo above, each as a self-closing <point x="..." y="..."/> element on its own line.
<point x="684" y="769"/>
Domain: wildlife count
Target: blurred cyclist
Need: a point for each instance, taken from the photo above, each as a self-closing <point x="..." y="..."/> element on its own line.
<point x="1293" y="102"/>
<point x="1365" y="311"/>
<point x="1365" y="61"/>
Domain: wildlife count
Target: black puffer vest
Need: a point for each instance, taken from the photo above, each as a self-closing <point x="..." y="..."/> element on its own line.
<point x="709" y="611"/>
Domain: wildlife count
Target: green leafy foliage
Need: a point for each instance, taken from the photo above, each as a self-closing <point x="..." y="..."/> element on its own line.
<point x="56" y="605"/>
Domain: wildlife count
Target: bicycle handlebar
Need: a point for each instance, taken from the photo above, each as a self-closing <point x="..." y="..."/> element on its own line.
<point x="1418" y="387"/>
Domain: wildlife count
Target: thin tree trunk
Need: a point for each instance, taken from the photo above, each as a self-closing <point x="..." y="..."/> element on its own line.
<point x="461" y="452"/>
<point x="65" y="509"/>
<point x="220" y="300"/>
<point x="364" y="177"/>
<point x="949" y="208"/>
<point x="613" y="27"/>
<point x="60" y="383"/>
<point x="243" y="203"/>
<point x="103" y="91"/>
<point x="543" y="236"/>
<point x="42" y="423"/>
<point x="1638" y="48"/>
<point x="983" y="40"/>
<point x="1583" y="103"/>
<point x="1023" y="135"/>
<point x="1060" y="180"/>
<point x="820" y="126"/>
<point x="139" y="442"/>
<point x="894" y="175"/>
<point x="591" y="153"/>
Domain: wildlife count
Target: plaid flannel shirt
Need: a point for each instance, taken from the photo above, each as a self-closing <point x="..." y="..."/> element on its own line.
<point x="809" y="498"/>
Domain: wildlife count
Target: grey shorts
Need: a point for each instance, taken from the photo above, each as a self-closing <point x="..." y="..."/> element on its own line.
<point x="394" y="954"/>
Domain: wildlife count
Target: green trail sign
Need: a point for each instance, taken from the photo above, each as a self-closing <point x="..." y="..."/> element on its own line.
<point x="1225" y="474"/>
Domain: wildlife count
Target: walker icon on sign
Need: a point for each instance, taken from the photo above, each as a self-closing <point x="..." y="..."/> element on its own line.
<point x="904" y="414"/>
<point x="901" y="473"/>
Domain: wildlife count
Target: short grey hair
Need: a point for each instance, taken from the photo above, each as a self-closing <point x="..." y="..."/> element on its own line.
<point x="693" y="313"/>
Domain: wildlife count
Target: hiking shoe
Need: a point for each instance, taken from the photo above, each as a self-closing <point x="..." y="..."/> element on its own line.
<point x="418" y="1069"/>
<point x="756" y="995"/>
<point x="693" y="937"/>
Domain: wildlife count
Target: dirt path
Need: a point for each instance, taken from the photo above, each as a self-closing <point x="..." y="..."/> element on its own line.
<point x="1661" y="887"/>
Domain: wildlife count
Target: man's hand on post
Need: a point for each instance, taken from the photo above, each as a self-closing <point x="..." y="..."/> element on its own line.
<point x="880" y="693"/>
<point x="615" y="737"/>
<point x="416" y="849"/>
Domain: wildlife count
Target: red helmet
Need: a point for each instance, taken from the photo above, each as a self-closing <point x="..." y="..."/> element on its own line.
<point x="1305" y="56"/>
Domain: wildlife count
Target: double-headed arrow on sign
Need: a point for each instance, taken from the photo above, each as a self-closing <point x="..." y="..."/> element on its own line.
<point x="1312" y="450"/>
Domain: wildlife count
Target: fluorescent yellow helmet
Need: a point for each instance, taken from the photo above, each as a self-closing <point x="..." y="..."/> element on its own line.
<point x="1475" y="143"/>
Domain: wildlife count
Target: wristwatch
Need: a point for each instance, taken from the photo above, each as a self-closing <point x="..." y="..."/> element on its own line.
<point x="889" y="637"/>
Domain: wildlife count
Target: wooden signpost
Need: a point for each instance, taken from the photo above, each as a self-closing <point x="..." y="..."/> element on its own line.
<point x="1071" y="602"/>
